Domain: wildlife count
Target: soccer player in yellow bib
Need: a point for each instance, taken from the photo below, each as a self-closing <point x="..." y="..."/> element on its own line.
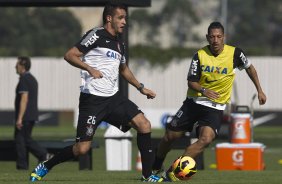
<point x="210" y="79"/>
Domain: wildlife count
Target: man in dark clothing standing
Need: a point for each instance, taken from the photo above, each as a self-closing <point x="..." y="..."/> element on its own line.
<point x="26" y="114"/>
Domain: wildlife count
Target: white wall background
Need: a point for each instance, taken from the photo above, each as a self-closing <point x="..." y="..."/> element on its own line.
<point x="59" y="85"/>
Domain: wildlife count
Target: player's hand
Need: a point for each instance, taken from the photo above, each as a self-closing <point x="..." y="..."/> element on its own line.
<point x="19" y="124"/>
<point x="211" y="94"/>
<point x="261" y="98"/>
<point x="96" y="74"/>
<point x="150" y="94"/>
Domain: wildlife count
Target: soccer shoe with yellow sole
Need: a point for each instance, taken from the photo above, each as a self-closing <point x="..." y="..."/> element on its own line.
<point x="39" y="172"/>
<point x="169" y="177"/>
<point x="152" y="178"/>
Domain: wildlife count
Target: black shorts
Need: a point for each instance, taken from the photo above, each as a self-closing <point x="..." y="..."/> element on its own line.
<point x="190" y="113"/>
<point x="115" y="110"/>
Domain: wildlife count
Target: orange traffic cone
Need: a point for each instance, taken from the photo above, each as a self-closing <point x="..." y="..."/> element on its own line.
<point x="139" y="162"/>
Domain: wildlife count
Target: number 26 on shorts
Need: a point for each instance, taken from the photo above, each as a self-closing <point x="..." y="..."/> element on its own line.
<point x="91" y="120"/>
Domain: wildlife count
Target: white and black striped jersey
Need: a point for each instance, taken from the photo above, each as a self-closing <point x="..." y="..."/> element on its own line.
<point x="105" y="53"/>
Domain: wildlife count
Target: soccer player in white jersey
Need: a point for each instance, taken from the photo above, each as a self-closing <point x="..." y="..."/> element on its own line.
<point x="100" y="54"/>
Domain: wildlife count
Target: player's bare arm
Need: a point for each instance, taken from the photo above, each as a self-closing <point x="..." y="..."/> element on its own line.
<point x="252" y="73"/>
<point x="73" y="57"/>
<point x="128" y="75"/>
<point x="206" y="92"/>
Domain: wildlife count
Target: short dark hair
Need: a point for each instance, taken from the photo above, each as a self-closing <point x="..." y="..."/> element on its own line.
<point x="215" y="25"/>
<point x="25" y="61"/>
<point x="110" y="10"/>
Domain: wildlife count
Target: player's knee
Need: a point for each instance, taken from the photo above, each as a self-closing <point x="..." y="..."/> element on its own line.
<point x="81" y="149"/>
<point x="169" y="138"/>
<point x="143" y="126"/>
<point x="205" y="140"/>
<point x="146" y="126"/>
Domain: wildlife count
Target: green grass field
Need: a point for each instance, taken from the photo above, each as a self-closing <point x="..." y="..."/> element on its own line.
<point x="68" y="172"/>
